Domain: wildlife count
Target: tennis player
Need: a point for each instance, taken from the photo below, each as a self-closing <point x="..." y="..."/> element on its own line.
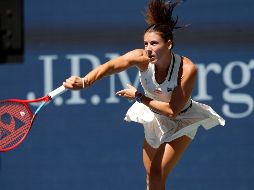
<point x="169" y="115"/>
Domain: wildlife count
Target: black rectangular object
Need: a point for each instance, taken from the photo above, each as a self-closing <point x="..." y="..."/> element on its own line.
<point x="11" y="31"/>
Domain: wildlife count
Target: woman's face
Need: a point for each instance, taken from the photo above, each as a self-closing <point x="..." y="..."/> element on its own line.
<point x="155" y="46"/>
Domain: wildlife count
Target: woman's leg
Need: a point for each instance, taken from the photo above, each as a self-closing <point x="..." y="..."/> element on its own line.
<point x="160" y="162"/>
<point x="148" y="155"/>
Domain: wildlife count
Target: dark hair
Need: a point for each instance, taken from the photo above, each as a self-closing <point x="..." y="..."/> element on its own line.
<point x="158" y="16"/>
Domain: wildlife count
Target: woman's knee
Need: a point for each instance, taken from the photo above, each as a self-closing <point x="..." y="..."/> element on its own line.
<point x="155" y="178"/>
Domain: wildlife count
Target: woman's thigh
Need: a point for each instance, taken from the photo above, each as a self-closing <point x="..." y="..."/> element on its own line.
<point x="162" y="160"/>
<point x="148" y="155"/>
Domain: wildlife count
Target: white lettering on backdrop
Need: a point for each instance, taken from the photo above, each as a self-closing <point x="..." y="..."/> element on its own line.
<point x="231" y="95"/>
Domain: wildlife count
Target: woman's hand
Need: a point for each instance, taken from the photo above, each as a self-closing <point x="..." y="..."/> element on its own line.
<point x="75" y="83"/>
<point x="128" y="93"/>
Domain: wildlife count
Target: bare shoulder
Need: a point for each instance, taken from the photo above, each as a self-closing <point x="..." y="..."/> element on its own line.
<point x="139" y="51"/>
<point x="137" y="57"/>
<point x="189" y="67"/>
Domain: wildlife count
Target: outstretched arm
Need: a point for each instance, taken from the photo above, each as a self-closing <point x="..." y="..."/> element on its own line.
<point x="136" y="58"/>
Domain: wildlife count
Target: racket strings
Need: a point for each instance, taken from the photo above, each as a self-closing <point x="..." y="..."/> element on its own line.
<point x="15" y="122"/>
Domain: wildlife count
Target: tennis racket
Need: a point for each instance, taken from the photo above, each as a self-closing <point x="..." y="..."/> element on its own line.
<point x="16" y="118"/>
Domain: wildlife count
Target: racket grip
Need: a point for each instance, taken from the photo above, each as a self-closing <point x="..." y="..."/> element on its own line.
<point x="57" y="91"/>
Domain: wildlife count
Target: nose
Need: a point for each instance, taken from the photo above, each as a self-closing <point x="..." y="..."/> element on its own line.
<point x="148" y="52"/>
<point x="148" y="47"/>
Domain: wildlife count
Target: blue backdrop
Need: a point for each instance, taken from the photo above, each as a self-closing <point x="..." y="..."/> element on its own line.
<point x="80" y="141"/>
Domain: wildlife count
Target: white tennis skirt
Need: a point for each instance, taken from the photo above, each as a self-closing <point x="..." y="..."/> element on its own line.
<point x="159" y="128"/>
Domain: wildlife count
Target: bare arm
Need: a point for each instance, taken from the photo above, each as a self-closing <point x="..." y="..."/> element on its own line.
<point x="136" y="58"/>
<point x="180" y="95"/>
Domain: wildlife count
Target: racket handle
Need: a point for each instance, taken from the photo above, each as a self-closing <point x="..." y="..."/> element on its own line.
<point x="57" y="91"/>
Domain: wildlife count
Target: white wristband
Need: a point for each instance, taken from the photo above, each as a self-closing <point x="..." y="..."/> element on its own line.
<point x="83" y="82"/>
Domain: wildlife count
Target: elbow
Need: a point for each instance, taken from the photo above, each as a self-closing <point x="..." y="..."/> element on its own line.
<point x="174" y="116"/>
<point x="172" y="113"/>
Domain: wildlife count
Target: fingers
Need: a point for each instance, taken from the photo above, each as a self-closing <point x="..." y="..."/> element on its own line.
<point x="120" y="93"/>
<point x="124" y="94"/>
<point x="128" y="93"/>
<point x="130" y="86"/>
<point x="73" y="83"/>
